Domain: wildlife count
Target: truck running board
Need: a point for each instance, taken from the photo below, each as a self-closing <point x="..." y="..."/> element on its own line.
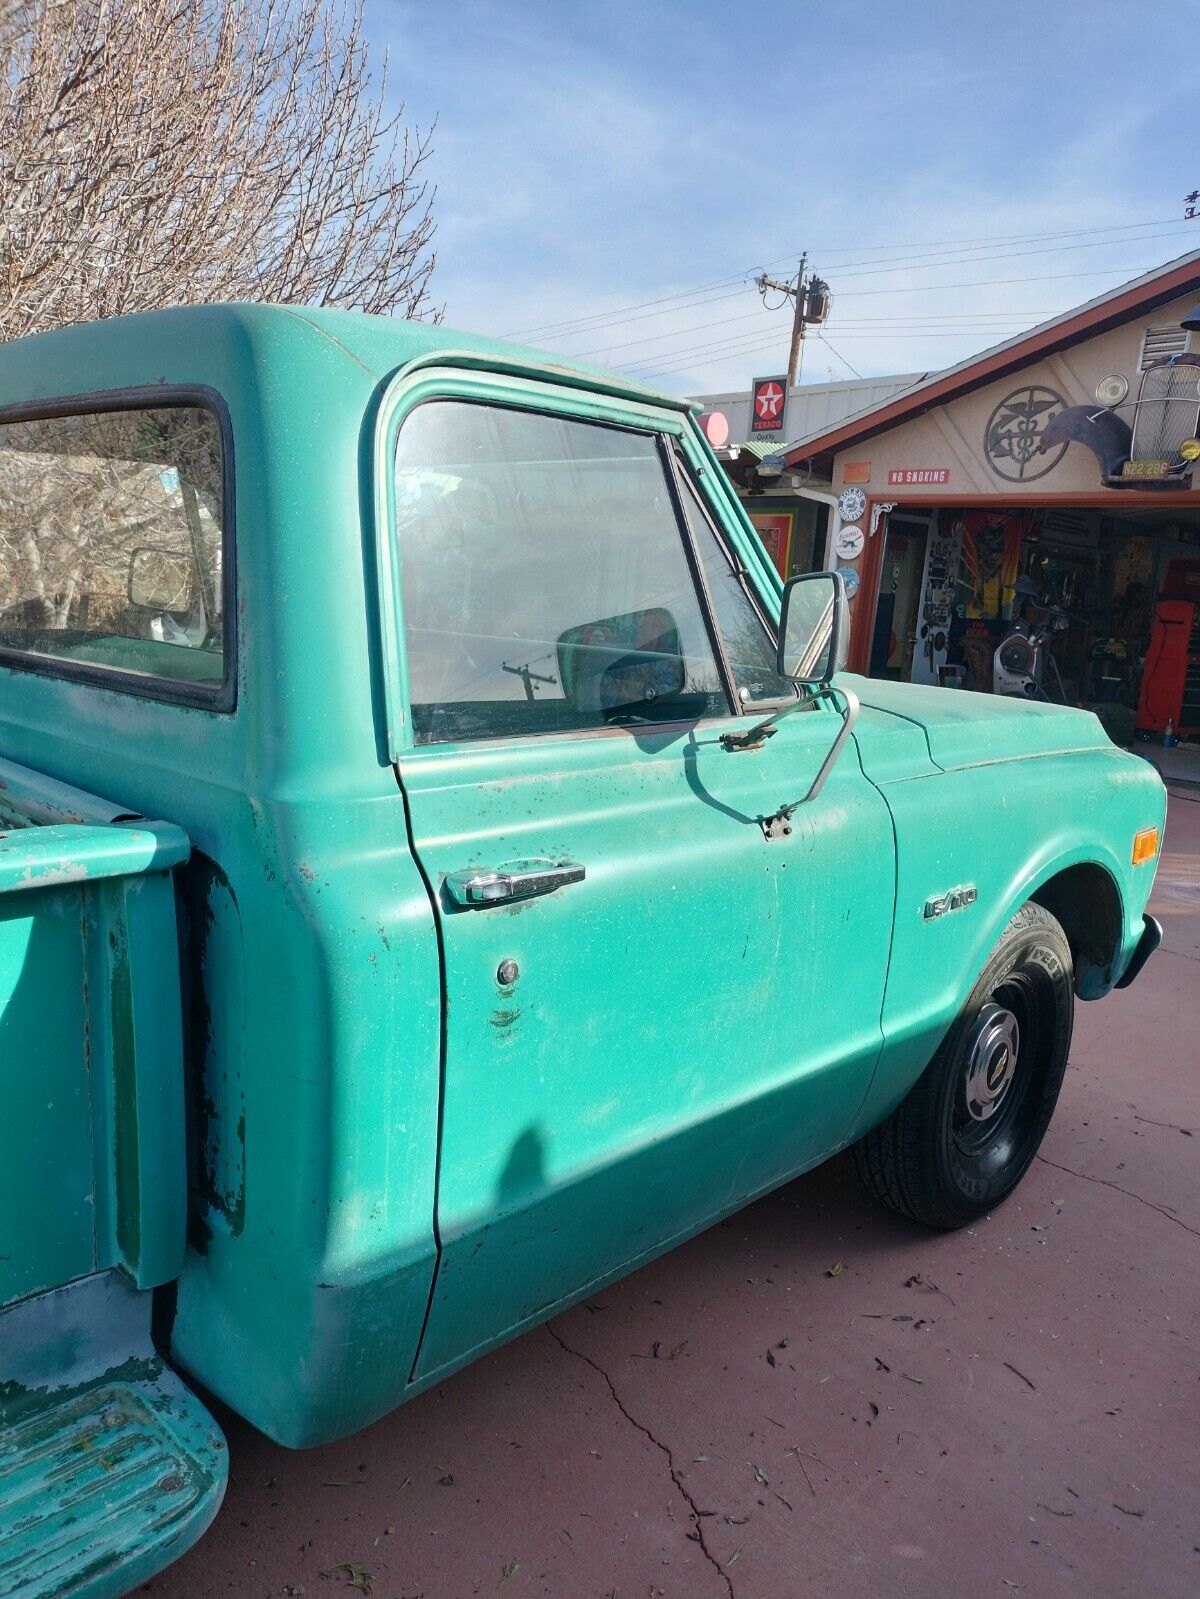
<point x="109" y="1467"/>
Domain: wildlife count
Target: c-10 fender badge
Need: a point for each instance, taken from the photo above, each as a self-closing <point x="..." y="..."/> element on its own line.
<point x="956" y="900"/>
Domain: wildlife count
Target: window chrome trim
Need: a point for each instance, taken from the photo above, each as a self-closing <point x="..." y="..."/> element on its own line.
<point x="708" y="610"/>
<point x="220" y="696"/>
<point x="682" y="476"/>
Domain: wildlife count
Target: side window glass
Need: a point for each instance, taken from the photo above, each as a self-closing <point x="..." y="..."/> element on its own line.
<point x="111" y="542"/>
<point x="748" y="644"/>
<point x="546" y="586"/>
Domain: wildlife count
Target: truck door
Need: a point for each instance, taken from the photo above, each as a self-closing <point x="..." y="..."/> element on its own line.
<point x="653" y="1010"/>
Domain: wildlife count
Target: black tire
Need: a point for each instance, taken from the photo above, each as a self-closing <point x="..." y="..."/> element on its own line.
<point x="967" y="1132"/>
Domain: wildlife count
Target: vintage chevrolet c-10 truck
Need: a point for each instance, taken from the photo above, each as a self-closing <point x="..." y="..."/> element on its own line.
<point x="441" y="867"/>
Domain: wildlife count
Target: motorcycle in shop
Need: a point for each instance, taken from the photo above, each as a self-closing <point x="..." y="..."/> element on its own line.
<point x="1024" y="663"/>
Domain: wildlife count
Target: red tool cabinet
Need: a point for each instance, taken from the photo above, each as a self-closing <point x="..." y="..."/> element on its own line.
<point x="1171" y="676"/>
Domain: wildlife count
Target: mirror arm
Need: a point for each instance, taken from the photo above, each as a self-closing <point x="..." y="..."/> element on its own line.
<point x="778" y="825"/>
<point x="755" y="737"/>
<point x="849" y="717"/>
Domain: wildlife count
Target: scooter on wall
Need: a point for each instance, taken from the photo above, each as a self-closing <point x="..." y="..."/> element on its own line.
<point x="1024" y="663"/>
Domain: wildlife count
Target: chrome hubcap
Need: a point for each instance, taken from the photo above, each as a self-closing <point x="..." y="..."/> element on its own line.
<point x="991" y="1061"/>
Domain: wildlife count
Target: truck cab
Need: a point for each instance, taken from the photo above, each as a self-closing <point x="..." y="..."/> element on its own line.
<point x="429" y="888"/>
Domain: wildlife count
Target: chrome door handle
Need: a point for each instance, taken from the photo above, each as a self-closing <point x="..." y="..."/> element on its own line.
<point x="479" y="887"/>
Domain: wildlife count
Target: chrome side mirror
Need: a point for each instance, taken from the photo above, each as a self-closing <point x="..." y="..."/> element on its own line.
<point x="814" y="628"/>
<point x="814" y="639"/>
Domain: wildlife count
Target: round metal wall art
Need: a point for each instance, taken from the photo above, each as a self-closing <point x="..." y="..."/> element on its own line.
<point x="1012" y="440"/>
<point x="850" y="578"/>
<point x="848" y="544"/>
<point x="852" y="503"/>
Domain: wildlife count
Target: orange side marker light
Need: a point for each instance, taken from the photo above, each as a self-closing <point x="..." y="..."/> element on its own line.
<point x="1145" y="845"/>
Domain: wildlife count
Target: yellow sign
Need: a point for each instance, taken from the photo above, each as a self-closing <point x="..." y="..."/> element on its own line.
<point x="1133" y="564"/>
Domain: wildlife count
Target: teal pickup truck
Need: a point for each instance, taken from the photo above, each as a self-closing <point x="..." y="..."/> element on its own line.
<point x="441" y="867"/>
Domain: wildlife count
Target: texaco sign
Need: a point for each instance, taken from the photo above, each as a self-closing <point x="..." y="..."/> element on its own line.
<point x="768" y="403"/>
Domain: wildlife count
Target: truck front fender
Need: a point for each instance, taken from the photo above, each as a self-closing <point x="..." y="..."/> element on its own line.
<point x="982" y="841"/>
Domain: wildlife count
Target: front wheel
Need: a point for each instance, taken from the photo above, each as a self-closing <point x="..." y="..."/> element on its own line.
<point x="965" y="1135"/>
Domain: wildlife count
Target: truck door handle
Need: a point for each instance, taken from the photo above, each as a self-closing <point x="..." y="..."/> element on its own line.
<point x="480" y="887"/>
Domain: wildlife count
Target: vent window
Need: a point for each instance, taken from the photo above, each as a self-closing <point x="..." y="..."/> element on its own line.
<point x="1159" y="344"/>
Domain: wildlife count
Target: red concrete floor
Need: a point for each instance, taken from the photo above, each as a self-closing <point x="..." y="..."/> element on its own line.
<point x="850" y="1406"/>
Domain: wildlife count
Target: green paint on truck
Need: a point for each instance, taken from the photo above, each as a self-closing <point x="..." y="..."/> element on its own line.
<point x="438" y="659"/>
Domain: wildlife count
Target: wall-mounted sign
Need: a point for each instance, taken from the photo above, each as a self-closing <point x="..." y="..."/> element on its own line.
<point x="1012" y="440"/>
<point x="917" y="476"/>
<point x="768" y="405"/>
<point x="851" y="504"/>
<point x="851" y="580"/>
<point x="856" y="472"/>
<point x="849" y="543"/>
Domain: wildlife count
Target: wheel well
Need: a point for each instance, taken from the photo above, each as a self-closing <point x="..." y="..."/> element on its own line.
<point x="1087" y="904"/>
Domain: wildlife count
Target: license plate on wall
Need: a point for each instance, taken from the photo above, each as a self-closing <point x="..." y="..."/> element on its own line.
<point x="1144" y="469"/>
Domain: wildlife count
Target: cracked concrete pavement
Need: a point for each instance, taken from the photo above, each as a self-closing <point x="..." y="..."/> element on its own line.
<point x="816" y="1397"/>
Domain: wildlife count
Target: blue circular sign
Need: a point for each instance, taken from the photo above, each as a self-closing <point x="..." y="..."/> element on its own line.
<point x="850" y="578"/>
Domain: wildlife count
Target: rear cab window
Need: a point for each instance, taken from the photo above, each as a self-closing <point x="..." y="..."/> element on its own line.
<point x="113" y="547"/>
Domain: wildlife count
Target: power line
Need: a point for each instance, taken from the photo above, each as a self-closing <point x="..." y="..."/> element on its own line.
<point x="747" y="316"/>
<point x="728" y="349"/>
<point x="664" y="375"/>
<point x="841" y="358"/>
<point x="878" y="327"/>
<point x="731" y="294"/>
<point x="602" y="320"/>
<point x="605" y="349"/>
<point x="928" y="248"/>
<point x="653" y="338"/>
<point x="562" y="329"/>
<point x="925" y="264"/>
<point x="975" y="318"/>
<point x="674" y="364"/>
<point x="984" y="283"/>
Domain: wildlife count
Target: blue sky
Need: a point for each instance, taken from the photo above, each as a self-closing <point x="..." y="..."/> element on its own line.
<point x="594" y="155"/>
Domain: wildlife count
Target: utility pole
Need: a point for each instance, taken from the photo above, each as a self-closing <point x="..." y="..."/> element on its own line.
<point x="810" y="304"/>
<point x="528" y="676"/>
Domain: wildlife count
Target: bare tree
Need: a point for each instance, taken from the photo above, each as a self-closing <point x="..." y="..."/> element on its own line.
<point x="166" y="152"/>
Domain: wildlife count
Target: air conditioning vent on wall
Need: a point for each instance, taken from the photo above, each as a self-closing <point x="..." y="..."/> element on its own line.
<point x="1159" y="344"/>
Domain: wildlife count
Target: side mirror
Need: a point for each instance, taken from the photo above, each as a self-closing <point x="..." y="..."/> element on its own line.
<point x="160" y="580"/>
<point x="814" y="628"/>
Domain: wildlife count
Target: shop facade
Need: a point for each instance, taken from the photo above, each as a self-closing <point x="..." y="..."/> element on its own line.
<point x="751" y="428"/>
<point x="1029" y="522"/>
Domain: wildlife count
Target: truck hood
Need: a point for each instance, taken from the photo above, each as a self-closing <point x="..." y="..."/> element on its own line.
<point x="965" y="729"/>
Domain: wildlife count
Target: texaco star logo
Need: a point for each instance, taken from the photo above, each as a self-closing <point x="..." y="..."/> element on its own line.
<point x="768" y="401"/>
